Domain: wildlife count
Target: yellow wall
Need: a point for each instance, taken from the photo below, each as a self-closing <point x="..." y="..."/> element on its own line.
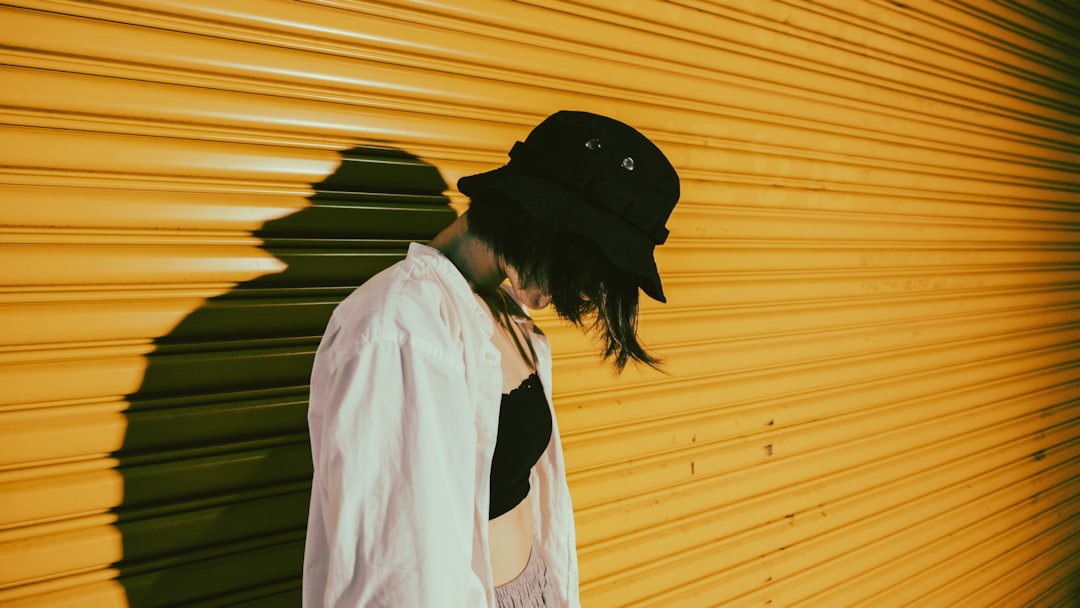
<point x="871" y="395"/>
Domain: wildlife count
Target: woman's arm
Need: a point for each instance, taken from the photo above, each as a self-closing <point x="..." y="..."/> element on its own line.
<point x="395" y="472"/>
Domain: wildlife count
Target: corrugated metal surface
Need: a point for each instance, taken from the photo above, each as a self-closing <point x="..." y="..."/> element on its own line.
<point x="873" y="383"/>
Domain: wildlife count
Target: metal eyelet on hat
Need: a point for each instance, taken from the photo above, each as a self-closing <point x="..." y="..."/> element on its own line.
<point x="593" y="144"/>
<point x="628" y="163"/>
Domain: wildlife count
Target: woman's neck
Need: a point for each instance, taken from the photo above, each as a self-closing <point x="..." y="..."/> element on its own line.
<point x="472" y="257"/>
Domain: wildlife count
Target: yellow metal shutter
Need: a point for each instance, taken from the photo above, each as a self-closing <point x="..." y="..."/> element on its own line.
<point x="872" y="331"/>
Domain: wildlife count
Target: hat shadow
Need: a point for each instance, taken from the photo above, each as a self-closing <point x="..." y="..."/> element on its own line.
<point x="216" y="461"/>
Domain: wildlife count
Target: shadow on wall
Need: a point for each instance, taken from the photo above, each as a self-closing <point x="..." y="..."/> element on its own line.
<point x="216" y="461"/>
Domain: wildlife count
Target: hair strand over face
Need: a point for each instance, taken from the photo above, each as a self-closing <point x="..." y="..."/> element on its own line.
<point x="585" y="287"/>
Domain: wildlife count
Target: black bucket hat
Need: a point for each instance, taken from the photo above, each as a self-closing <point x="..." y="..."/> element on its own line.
<point x="596" y="177"/>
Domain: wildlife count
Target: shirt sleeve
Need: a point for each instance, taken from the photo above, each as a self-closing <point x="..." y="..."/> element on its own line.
<point x="395" y="467"/>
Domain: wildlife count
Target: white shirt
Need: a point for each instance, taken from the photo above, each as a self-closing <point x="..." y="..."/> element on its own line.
<point x="404" y="413"/>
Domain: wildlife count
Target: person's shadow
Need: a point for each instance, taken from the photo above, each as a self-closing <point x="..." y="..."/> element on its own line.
<point x="216" y="461"/>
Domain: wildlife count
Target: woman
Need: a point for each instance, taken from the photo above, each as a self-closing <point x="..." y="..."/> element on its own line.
<point x="439" y="478"/>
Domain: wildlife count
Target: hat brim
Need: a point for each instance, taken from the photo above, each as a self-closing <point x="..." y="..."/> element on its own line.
<point x="625" y="246"/>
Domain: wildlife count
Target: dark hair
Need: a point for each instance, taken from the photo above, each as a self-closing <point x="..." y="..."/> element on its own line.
<point x="586" y="288"/>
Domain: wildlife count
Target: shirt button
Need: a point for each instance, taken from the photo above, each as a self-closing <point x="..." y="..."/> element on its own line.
<point x="489" y="357"/>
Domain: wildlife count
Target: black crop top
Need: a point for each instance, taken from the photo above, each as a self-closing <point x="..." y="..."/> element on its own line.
<point x="524" y="433"/>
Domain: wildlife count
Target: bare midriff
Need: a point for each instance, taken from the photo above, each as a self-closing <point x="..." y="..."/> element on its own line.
<point x="510" y="537"/>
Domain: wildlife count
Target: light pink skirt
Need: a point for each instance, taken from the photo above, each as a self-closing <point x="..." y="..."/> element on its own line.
<point x="533" y="588"/>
